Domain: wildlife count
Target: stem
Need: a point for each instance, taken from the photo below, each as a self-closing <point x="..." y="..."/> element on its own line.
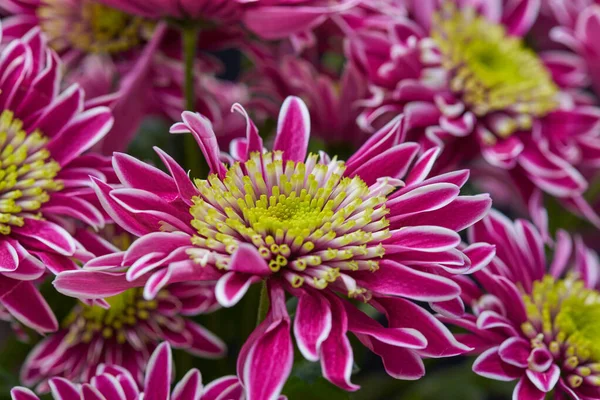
<point x="263" y="305"/>
<point x="194" y="161"/>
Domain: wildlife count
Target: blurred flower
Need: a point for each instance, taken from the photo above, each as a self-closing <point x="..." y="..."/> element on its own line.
<point x="466" y="81"/>
<point x="112" y="382"/>
<point x="323" y="230"/>
<point x="534" y="319"/>
<point x="124" y="329"/>
<point x="45" y="177"/>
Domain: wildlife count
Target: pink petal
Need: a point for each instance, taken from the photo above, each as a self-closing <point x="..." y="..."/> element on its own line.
<point x="205" y="344"/>
<point x="293" y="129"/>
<point x="490" y="365"/>
<point x="263" y="374"/>
<point x="46" y="235"/>
<point x="425" y="238"/>
<point x="312" y="325"/>
<point x="336" y="352"/>
<point x="398" y="280"/>
<point x="393" y="163"/>
<point x="189" y="388"/>
<point x="139" y="175"/>
<point x="92" y="284"/>
<point x="9" y="259"/>
<point x="515" y="351"/>
<point x="63" y="389"/>
<point x="545" y="381"/>
<point x="157" y="382"/>
<point x="27" y="305"/>
<point x="186" y="188"/>
<point x="246" y="259"/>
<point x="525" y="390"/>
<point x="232" y="286"/>
<point x="21" y="393"/>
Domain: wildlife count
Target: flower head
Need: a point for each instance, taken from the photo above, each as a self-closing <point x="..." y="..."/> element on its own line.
<point x="466" y="80"/>
<point x="43" y="133"/>
<point x="534" y="319"/>
<point x="320" y="229"/>
<point x="113" y="382"/>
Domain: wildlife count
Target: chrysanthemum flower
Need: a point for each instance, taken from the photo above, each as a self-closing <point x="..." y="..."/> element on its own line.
<point x="112" y="382"/>
<point x="124" y="329"/>
<point x="466" y="80"/>
<point x="43" y="132"/>
<point x="533" y="319"/>
<point x="575" y="25"/>
<point x="375" y="229"/>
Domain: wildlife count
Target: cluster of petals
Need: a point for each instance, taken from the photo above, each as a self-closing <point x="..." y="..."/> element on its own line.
<point x="517" y="309"/>
<point x="548" y="150"/>
<point x="408" y="241"/>
<point x="113" y="382"/>
<point x="91" y="336"/>
<point x="45" y="176"/>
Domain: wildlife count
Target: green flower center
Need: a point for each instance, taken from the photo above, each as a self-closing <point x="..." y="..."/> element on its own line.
<point x="306" y="217"/>
<point x="564" y="316"/>
<point x="26" y="173"/>
<point x="126" y="309"/>
<point x="492" y="71"/>
<point x="91" y="27"/>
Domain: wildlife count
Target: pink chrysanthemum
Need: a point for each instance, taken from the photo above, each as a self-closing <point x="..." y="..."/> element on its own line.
<point x="124" y="329"/>
<point x="532" y="319"/>
<point x="43" y="132"/>
<point x="112" y="382"/>
<point x="465" y="80"/>
<point x="376" y="229"/>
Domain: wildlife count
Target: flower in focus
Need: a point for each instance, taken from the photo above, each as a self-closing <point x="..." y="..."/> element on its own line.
<point x="376" y="229"/>
<point x="113" y="382"/>
<point x="45" y="178"/>
<point x="124" y="329"/>
<point x="533" y="319"/>
<point x="466" y="80"/>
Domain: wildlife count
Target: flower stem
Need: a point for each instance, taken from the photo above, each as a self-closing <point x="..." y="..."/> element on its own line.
<point x="194" y="161"/>
<point x="263" y="305"/>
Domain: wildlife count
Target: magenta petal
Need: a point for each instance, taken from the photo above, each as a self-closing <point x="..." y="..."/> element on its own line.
<point x="406" y="314"/>
<point x="88" y="392"/>
<point x="246" y="259"/>
<point x="425" y="238"/>
<point x="83" y="132"/>
<point x="253" y="140"/>
<point x="263" y="374"/>
<point x="232" y="286"/>
<point x="46" y="235"/>
<point x="398" y="280"/>
<point x="21" y="393"/>
<point x="139" y="175"/>
<point x="186" y="188"/>
<point x="9" y="259"/>
<point x="293" y="129"/>
<point x="515" y="351"/>
<point x="63" y="389"/>
<point x="424" y="198"/>
<point x="392" y="163"/>
<point x="223" y="388"/>
<point x="157" y="382"/>
<point x="27" y="305"/>
<point x="189" y="388"/>
<point x="92" y="284"/>
<point x="205" y="344"/>
<point x="312" y="325"/>
<point x="490" y="365"/>
<point x="545" y="381"/>
<point x="337" y="356"/>
<point x="525" y="390"/>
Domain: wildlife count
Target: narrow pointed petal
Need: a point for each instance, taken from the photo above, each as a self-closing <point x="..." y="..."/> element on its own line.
<point x="293" y="129"/>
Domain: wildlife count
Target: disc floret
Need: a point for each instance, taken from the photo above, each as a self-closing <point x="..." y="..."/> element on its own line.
<point x="308" y="221"/>
<point x="564" y="317"/>
<point x="26" y="173"/>
<point x="492" y="71"/>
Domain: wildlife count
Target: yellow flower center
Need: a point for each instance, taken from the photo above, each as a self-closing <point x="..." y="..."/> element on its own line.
<point x="305" y="217"/>
<point x="491" y="71"/>
<point x="564" y="316"/>
<point x="91" y="27"/>
<point x="26" y="173"/>
<point x="126" y="309"/>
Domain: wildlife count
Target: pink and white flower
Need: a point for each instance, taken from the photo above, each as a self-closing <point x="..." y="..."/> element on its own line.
<point x="45" y="177"/>
<point x="464" y="79"/>
<point x="377" y="228"/>
<point x="531" y="318"/>
<point x="112" y="382"/>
